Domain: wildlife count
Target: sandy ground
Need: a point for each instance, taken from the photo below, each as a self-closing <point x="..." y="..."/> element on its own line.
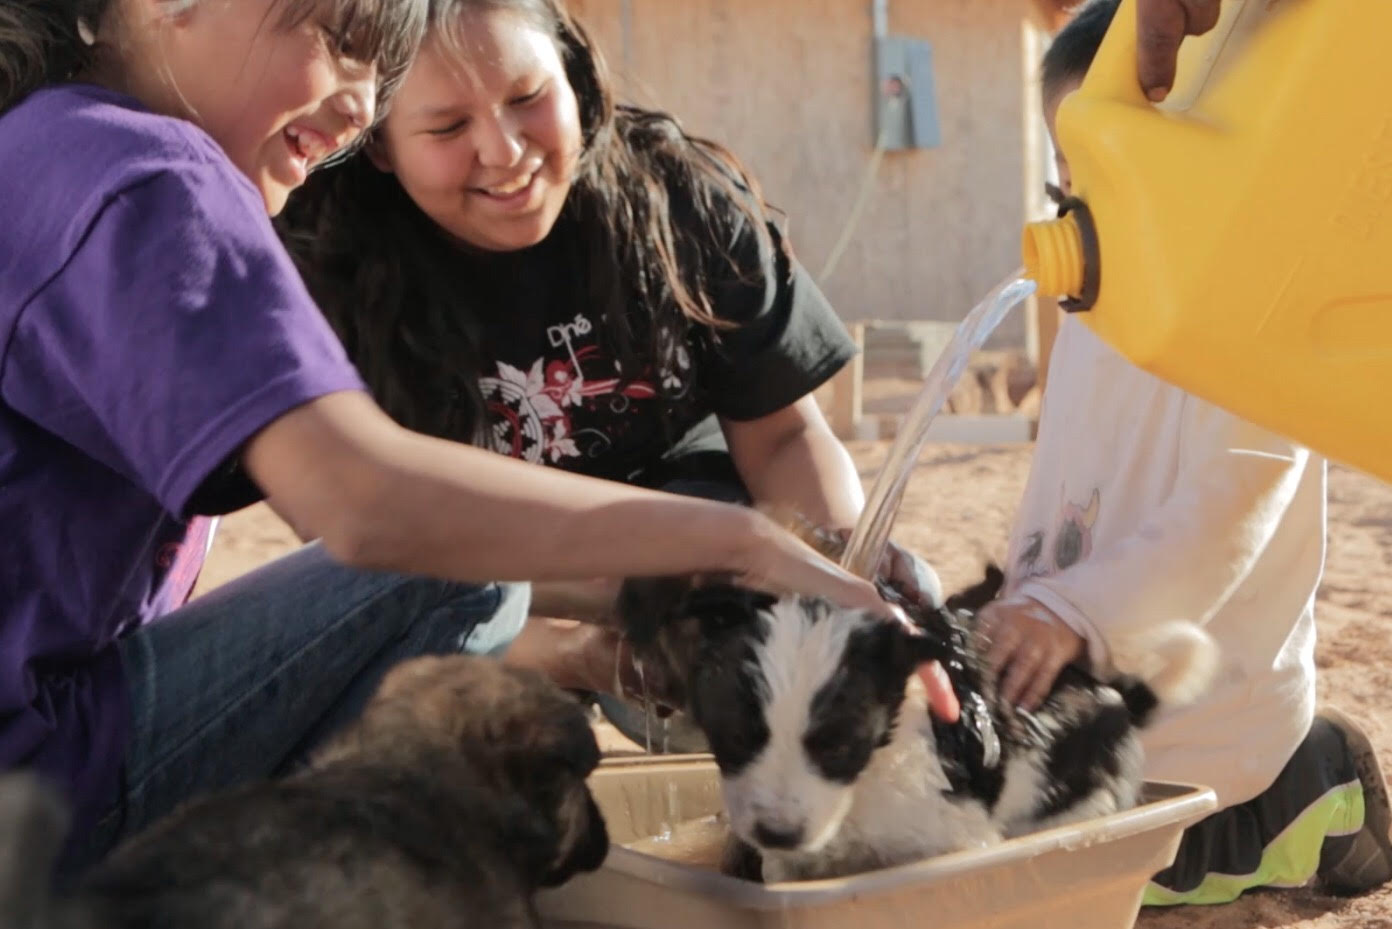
<point x="957" y="512"/>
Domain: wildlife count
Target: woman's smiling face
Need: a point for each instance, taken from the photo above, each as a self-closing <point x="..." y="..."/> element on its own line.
<point x="486" y="142"/>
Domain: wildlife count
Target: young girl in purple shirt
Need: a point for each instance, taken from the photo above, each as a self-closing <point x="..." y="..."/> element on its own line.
<point x="161" y="362"/>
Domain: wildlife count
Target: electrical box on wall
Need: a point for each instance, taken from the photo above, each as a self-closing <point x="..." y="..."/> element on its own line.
<point x="905" y="100"/>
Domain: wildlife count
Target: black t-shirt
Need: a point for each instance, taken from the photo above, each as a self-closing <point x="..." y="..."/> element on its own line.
<point x="555" y="392"/>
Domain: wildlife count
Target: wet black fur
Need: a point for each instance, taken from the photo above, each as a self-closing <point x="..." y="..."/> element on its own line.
<point x="1081" y="729"/>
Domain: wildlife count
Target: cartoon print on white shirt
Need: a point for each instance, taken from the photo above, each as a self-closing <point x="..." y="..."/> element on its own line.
<point x="1070" y="542"/>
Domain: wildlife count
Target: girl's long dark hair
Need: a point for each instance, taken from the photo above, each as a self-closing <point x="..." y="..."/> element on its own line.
<point x="392" y="285"/>
<point x="40" y="42"/>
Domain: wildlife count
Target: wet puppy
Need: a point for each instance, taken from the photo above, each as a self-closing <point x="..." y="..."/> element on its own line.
<point x="458" y="794"/>
<point x="830" y="761"/>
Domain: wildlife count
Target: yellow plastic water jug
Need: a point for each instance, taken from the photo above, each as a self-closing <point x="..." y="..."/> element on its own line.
<point x="1237" y="241"/>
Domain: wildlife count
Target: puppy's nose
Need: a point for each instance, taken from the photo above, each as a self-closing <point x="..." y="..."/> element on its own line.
<point x="777" y="836"/>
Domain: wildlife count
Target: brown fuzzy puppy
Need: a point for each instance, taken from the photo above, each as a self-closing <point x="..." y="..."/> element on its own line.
<point x="458" y="794"/>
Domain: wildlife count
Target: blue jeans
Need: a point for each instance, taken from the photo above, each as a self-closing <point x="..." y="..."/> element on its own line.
<point x="244" y="682"/>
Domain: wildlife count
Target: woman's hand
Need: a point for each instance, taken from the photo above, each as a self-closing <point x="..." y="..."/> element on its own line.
<point x="911" y="577"/>
<point x="1029" y="647"/>
<point x="774" y="560"/>
<point x="916" y="581"/>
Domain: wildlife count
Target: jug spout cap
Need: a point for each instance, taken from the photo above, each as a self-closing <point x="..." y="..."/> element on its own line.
<point x="1061" y="256"/>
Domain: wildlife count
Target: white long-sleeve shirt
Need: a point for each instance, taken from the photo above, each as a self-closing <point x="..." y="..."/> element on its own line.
<point x="1146" y="504"/>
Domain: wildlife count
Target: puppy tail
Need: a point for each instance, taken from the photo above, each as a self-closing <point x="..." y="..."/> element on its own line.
<point x="979" y="594"/>
<point x="1141" y="702"/>
<point x="1172" y="664"/>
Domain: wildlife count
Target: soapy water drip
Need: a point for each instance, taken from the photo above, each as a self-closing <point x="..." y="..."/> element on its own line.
<point x="671" y="805"/>
<point x="647" y="706"/>
<point x="672" y="815"/>
<point x="866" y="547"/>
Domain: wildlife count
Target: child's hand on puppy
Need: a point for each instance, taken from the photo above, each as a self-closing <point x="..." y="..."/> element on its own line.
<point x="1029" y="647"/>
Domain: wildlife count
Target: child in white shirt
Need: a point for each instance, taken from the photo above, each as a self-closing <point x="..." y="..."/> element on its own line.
<point x="1146" y="504"/>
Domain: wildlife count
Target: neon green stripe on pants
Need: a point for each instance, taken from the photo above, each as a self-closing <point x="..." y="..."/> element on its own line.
<point x="1290" y="860"/>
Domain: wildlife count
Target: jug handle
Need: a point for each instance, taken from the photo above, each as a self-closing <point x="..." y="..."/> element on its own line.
<point x="1112" y="74"/>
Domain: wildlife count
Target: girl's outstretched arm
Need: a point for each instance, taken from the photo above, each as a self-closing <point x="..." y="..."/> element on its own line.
<point x="381" y="497"/>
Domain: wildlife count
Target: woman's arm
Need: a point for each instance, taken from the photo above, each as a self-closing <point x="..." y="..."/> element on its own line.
<point x="381" y="497"/>
<point x="792" y="457"/>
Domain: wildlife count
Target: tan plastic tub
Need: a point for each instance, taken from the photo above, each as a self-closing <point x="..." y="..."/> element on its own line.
<point x="1085" y="876"/>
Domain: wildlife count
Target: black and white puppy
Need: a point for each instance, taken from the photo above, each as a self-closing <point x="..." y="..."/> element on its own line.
<point x="830" y="761"/>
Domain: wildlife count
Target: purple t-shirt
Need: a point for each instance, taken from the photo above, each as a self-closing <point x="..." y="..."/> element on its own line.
<point x="150" y="324"/>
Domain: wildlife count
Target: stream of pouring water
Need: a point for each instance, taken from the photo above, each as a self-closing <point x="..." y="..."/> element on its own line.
<point x="871" y="534"/>
<point x="647" y="707"/>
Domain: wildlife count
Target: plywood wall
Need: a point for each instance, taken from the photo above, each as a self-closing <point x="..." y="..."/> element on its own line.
<point x="786" y="85"/>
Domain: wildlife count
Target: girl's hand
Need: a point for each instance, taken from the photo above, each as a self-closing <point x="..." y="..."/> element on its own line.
<point x="910" y="576"/>
<point x="915" y="580"/>
<point x="774" y="560"/>
<point x="582" y="656"/>
<point x="906" y="573"/>
<point x="1029" y="646"/>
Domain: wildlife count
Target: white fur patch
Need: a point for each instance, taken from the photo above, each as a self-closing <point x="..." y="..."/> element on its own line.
<point x="781" y="789"/>
<point x="898" y="811"/>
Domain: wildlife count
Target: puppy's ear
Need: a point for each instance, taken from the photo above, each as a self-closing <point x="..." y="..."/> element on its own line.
<point x="829" y="542"/>
<point x="564" y="740"/>
<point x="561" y="831"/>
<point x="894" y="650"/>
<point x="721" y="608"/>
<point x="647" y="604"/>
<point x="584" y="840"/>
<point x="379" y="156"/>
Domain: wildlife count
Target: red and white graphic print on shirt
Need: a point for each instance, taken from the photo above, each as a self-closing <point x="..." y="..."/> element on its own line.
<point x="569" y="406"/>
